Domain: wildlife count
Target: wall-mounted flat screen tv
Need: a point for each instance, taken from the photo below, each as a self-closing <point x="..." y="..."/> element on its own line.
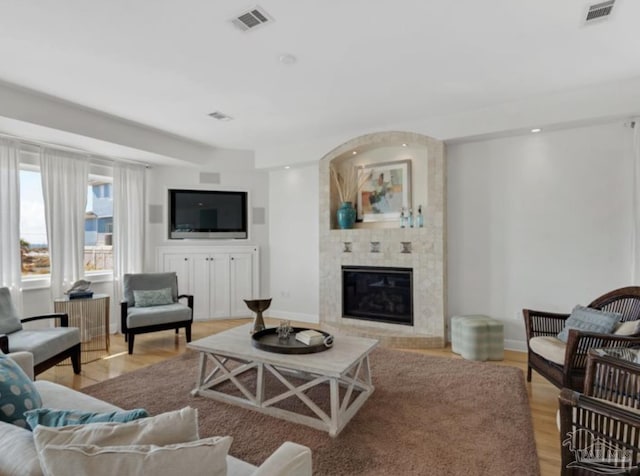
<point x="207" y="214"/>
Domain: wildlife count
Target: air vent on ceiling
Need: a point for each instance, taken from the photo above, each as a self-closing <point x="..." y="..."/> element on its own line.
<point x="599" y="10"/>
<point x="220" y="116"/>
<point x="251" y="19"/>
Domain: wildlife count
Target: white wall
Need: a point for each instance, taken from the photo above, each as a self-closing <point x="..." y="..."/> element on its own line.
<point x="236" y="174"/>
<point x="558" y="109"/>
<point x="541" y="221"/>
<point x="293" y="241"/>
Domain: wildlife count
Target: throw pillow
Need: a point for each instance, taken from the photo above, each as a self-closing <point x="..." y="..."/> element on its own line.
<point x="156" y="297"/>
<point x="49" y="417"/>
<point x="628" y="328"/>
<point x="199" y="458"/>
<point x="590" y="320"/>
<point x="17" y="393"/>
<point x="19" y="455"/>
<point x="165" y="429"/>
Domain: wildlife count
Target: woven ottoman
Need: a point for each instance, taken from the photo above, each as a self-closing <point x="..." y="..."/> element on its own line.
<point x="477" y="337"/>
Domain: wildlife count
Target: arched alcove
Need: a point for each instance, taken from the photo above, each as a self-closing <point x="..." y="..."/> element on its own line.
<point x="378" y="150"/>
<point x="382" y="243"/>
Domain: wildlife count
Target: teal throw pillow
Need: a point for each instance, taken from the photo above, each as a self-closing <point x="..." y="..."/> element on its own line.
<point x="156" y="297"/>
<point x="49" y="417"/>
<point x="590" y="320"/>
<point x="17" y="393"/>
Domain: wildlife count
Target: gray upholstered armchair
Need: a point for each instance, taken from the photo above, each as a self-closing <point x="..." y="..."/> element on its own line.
<point x="151" y="304"/>
<point x="49" y="346"/>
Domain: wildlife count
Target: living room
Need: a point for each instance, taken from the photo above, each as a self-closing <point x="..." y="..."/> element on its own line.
<point x="539" y="189"/>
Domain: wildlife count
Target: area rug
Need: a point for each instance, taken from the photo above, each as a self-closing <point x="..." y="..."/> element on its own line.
<point x="427" y="416"/>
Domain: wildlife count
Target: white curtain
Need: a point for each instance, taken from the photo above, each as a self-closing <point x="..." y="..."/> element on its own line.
<point x="64" y="186"/>
<point x="635" y="250"/>
<point x="10" y="267"/>
<point x="128" y="222"/>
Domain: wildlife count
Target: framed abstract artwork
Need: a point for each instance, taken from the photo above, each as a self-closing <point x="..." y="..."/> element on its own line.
<point x="385" y="191"/>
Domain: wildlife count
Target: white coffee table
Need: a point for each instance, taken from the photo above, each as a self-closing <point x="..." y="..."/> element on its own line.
<point x="345" y="365"/>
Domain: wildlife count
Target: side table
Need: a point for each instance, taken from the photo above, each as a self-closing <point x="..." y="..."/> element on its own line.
<point x="91" y="316"/>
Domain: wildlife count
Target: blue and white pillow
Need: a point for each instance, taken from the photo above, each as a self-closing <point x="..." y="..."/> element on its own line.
<point x="50" y="417"/>
<point x="590" y="320"/>
<point x="17" y="393"/>
<point x="156" y="297"/>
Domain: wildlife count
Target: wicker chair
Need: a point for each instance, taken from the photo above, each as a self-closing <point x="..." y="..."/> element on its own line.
<point x="606" y="417"/>
<point x="592" y="429"/>
<point x="571" y="374"/>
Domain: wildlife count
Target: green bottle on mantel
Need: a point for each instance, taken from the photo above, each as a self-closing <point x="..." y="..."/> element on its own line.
<point x="419" y="218"/>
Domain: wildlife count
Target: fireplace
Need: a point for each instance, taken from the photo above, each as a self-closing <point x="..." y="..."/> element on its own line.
<point x="380" y="294"/>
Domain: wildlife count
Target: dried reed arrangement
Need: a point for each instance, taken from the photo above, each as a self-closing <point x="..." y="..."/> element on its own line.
<point x="349" y="184"/>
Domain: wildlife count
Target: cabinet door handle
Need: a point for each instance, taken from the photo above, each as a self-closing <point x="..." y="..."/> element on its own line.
<point x="232" y="258"/>
<point x="186" y="259"/>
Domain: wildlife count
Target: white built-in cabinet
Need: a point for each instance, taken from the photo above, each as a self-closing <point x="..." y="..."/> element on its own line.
<point x="219" y="277"/>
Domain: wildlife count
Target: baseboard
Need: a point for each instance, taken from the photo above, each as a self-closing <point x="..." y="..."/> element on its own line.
<point x="294" y="316"/>
<point x="517" y="345"/>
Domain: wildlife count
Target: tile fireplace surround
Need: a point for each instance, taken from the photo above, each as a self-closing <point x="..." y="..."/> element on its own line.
<point x="377" y="244"/>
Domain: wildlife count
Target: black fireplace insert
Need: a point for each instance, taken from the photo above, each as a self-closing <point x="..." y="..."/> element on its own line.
<point x="381" y="294"/>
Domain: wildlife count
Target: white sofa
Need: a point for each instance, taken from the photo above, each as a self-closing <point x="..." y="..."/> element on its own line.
<point x="18" y="455"/>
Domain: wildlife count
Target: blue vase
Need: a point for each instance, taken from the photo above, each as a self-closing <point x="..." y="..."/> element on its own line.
<point x="346" y="215"/>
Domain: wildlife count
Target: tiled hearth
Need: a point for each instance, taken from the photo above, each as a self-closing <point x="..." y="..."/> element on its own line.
<point x="420" y="249"/>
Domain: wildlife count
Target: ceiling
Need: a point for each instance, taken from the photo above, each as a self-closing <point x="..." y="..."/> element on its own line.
<point x="361" y="65"/>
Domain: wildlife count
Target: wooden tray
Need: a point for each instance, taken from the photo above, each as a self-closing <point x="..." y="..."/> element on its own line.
<point x="268" y="340"/>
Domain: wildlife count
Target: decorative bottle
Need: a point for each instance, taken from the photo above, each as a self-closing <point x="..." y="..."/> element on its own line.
<point x="410" y="219"/>
<point x="419" y="218"/>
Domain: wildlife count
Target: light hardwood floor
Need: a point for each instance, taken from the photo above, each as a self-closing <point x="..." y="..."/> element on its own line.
<point x="158" y="346"/>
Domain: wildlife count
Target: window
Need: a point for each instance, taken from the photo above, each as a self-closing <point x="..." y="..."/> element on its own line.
<point x="98" y="228"/>
<point x="34" y="249"/>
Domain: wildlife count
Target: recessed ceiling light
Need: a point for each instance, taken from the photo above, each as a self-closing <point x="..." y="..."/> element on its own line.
<point x="288" y="59"/>
<point x="536" y="130"/>
<point x="404" y="145"/>
<point x="287" y="167"/>
<point x="354" y="152"/>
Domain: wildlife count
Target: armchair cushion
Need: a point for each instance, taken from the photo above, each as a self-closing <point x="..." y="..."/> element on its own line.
<point x="149" y="316"/>
<point x="549" y="347"/>
<point x="155" y="297"/>
<point x="44" y="343"/>
<point x="149" y="281"/>
<point x="591" y="320"/>
<point x="17" y="393"/>
<point x="9" y="319"/>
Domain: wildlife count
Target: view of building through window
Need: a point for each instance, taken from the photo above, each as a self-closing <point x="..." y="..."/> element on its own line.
<point x="34" y="248"/>
<point x="98" y="226"/>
